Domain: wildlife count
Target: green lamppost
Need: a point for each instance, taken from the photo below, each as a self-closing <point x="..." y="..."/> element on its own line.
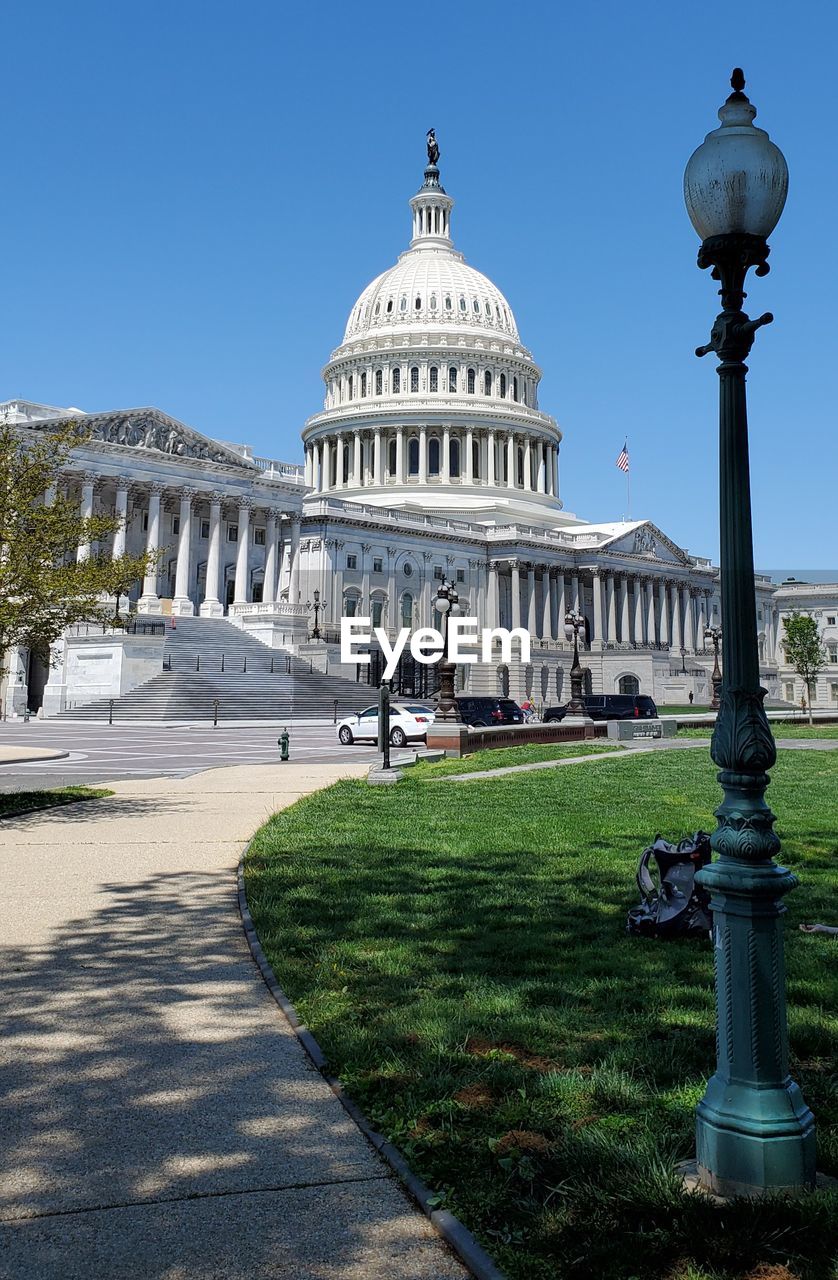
<point x="447" y="602"/>
<point x="715" y="635"/>
<point x="754" y="1132"/>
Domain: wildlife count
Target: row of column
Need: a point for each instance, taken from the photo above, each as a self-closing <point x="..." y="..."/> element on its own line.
<point x="376" y="381"/>
<point x="655" y="612"/>
<point x="358" y="458"/>
<point x="211" y="604"/>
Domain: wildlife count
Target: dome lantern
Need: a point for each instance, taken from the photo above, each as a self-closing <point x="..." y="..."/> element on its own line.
<point x="431" y="206"/>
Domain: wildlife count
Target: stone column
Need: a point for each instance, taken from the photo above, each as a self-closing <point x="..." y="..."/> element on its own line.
<point x="638" y="611"/>
<point x="676" y="620"/>
<point x="510" y="461"/>
<point x="357" y="478"/>
<point x="651" y="630"/>
<point x="294" y="579"/>
<point x="561" y="606"/>
<point x="493" y="596"/>
<point x="625" y="630"/>
<point x="121" y="534"/>
<point x="491" y="477"/>
<point x="340" y="446"/>
<point x="546" y="603"/>
<point x="88" y="489"/>
<point x="555" y="470"/>
<point x="542" y="467"/>
<point x="527" y="465"/>
<point x="689" y="619"/>
<point x="515" y="574"/>
<point x="149" y="601"/>
<point x="468" y="469"/>
<point x="399" y="457"/>
<point x="326" y="470"/>
<point x="575" y="595"/>
<point x="445" y="475"/>
<point x="531" y="609"/>
<point x="423" y="455"/>
<point x="611" y="601"/>
<point x="700" y="642"/>
<point x="182" y="606"/>
<point x="663" y="630"/>
<point x="378" y="458"/>
<point x="269" y="588"/>
<point x="598" y="627"/>
<point x="212" y="605"/>
<point x="241" y="593"/>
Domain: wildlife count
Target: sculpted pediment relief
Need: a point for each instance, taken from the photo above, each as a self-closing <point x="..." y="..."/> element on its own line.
<point x="151" y="429"/>
<point x="648" y="541"/>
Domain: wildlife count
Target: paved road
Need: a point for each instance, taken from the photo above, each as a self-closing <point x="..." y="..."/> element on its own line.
<point x="102" y="753"/>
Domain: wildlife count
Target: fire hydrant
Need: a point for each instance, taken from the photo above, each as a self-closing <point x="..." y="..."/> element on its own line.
<point x="282" y="743"/>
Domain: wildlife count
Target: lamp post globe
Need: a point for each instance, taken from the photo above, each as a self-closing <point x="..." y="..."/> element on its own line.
<point x="754" y="1132"/>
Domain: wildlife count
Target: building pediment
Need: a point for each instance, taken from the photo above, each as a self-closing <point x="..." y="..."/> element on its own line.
<point x="646" y="540"/>
<point x="152" y="430"/>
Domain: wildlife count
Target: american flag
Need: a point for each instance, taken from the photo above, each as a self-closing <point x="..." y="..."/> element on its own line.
<point x="623" y="460"/>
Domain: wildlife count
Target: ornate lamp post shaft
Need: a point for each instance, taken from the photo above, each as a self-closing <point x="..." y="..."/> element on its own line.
<point x="754" y="1132"/>
<point x="447" y="600"/>
<point x="574" y="623"/>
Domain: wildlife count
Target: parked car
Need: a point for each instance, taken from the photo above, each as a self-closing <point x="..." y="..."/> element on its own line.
<point x="407" y="724"/>
<point x="611" y="706"/>
<point x="481" y="712"/>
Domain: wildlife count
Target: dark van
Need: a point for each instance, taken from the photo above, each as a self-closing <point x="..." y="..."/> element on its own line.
<point x="611" y="706"/>
<point x="487" y="712"/>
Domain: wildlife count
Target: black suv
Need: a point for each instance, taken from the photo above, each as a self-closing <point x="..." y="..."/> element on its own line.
<point x="487" y="712"/>
<point x="611" y="706"/>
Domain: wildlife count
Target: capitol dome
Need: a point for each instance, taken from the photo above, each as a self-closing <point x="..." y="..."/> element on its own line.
<point x="431" y="397"/>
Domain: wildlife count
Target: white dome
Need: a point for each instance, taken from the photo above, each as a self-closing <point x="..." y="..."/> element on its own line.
<point x="430" y="287"/>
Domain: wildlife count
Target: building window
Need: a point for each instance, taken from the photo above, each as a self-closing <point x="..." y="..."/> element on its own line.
<point x="502" y="386"/>
<point x="418" y="303"/>
<point x="832" y="651"/>
<point x="470" y="382"/>
<point x="830" y="620"/>
<point x="397" y="380"/>
<point x="788" y="691"/>
<point x="628" y="684"/>
<point x="476" y="306"/>
<point x="413" y="457"/>
<point x="378" y="382"/>
<point x="461" y="575"/>
<point x="377" y="607"/>
<point x="514" y="388"/>
<point x="407" y="569"/>
<point x="349" y="385"/>
<point x="391" y="457"/>
<point x="407" y="609"/>
<point x="350" y="606"/>
<point x="414" y="377"/>
<point x="175" y="524"/>
<point x="433" y="302"/>
<point x="259" y="537"/>
<point x="377" y="309"/>
<point x="145" y="522"/>
<point x="452" y="378"/>
<point x="377" y="564"/>
<point x="487" y="383"/>
<point x="439" y="573"/>
<point x="475" y="459"/>
<point x="462" y="303"/>
<point x="433" y="457"/>
<point x="402" y="304"/>
<point x="833" y="692"/>
<point x="205" y="528"/>
<point x="352" y="562"/>
<point x="363" y="384"/>
<point x="232" y="533"/>
<point x="433" y="375"/>
<point x="520" y="469"/>
<point x="448" y="303"/>
<point x="454" y="457"/>
<point x="390" y="306"/>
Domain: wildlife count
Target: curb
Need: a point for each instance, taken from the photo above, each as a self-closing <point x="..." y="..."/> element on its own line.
<point x="30" y="759"/>
<point x="458" y="1238"/>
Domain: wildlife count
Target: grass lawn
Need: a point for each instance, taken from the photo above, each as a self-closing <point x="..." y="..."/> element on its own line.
<point x="697" y="709"/>
<point x="13" y="803"/>
<point x="462" y="960"/>
<point x="502" y="757"/>
<point x="779" y="730"/>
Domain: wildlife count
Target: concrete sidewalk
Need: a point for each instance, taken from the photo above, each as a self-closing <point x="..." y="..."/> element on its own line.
<point x="158" y="1118"/>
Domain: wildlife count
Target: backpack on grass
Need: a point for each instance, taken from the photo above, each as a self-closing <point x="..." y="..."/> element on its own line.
<point x="673" y="905"/>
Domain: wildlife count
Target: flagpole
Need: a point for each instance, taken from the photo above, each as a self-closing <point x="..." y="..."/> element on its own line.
<point x="628" y="485"/>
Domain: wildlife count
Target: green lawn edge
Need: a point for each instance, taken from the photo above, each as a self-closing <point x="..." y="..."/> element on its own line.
<point x="15" y="803"/>
<point x="465" y="969"/>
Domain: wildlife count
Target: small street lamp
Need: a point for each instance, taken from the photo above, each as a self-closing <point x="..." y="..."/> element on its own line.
<point x="315" y="632"/>
<point x="715" y="634"/>
<point x="754" y="1132"/>
<point x="683" y="662"/>
<point x="446" y="602"/>
<point x="574" y="623"/>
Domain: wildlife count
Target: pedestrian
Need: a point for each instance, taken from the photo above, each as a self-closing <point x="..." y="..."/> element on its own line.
<point x="691" y="697"/>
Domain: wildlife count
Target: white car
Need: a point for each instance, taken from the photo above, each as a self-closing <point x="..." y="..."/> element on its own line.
<point x="407" y="723"/>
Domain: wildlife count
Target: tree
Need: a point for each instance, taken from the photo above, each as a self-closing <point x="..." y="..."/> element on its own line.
<point x="43" y="586"/>
<point x="804" y="650"/>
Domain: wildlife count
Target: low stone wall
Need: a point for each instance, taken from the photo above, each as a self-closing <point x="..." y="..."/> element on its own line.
<point x="461" y="740"/>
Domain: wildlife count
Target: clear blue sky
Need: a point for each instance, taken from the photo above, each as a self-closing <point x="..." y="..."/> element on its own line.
<point x="196" y="193"/>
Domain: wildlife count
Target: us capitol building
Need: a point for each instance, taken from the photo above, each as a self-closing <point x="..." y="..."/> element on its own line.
<point x="430" y="459"/>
